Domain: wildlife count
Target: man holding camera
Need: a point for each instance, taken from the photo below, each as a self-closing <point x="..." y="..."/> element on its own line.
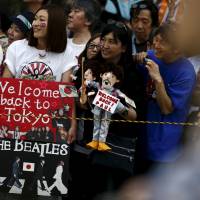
<point x="170" y="81"/>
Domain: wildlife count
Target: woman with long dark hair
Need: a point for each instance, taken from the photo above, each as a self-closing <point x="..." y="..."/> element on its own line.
<point x="111" y="169"/>
<point x="116" y="166"/>
<point x="46" y="46"/>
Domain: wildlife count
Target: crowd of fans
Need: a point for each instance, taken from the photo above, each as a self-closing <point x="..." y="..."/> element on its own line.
<point x="136" y="45"/>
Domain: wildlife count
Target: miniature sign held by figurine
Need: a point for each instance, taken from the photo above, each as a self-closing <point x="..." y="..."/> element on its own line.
<point x="107" y="102"/>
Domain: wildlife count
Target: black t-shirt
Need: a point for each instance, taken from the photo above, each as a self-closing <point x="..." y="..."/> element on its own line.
<point x="133" y="87"/>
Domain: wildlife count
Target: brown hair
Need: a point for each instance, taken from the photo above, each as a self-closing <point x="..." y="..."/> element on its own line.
<point x="56" y="40"/>
<point x="91" y="9"/>
<point x="168" y="32"/>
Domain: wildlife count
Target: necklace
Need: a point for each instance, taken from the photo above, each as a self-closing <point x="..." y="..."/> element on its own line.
<point x="42" y="53"/>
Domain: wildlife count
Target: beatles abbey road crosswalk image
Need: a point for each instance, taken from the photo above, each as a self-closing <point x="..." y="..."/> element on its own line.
<point x="33" y="168"/>
<point x="35" y="117"/>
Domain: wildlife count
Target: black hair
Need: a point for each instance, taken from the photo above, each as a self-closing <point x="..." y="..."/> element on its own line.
<point x="121" y="33"/>
<point x="152" y="35"/>
<point x="95" y="67"/>
<point x="56" y="35"/>
<point x="84" y="52"/>
<point x="148" y="5"/>
<point x="168" y="32"/>
<point x="92" y="10"/>
<point x="5" y="22"/>
<point x="24" y="26"/>
<point x="45" y="2"/>
<point x="117" y="70"/>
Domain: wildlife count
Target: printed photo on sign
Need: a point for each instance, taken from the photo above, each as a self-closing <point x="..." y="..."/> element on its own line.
<point x="34" y="168"/>
<point x="68" y="91"/>
<point x="35" y="110"/>
<point x="28" y="167"/>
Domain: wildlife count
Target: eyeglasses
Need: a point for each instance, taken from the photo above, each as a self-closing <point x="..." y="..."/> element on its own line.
<point x="136" y="8"/>
<point x="93" y="46"/>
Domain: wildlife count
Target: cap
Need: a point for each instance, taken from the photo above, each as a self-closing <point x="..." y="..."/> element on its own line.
<point x="23" y="21"/>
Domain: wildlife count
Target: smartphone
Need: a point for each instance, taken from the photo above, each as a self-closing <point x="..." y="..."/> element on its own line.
<point x="145" y="61"/>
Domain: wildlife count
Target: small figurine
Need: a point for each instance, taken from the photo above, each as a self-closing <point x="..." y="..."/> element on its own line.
<point x="111" y="76"/>
<point x="90" y="74"/>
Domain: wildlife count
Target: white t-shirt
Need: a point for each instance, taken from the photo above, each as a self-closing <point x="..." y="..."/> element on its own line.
<point x="1" y="54"/>
<point x="75" y="49"/>
<point x="29" y="62"/>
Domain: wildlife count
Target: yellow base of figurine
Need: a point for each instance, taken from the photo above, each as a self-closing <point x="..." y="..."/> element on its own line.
<point x="94" y="144"/>
<point x="101" y="146"/>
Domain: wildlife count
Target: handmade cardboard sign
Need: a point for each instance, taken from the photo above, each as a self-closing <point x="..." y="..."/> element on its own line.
<point x="34" y="122"/>
<point x="34" y="168"/>
<point x="106" y="101"/>
<point x="35" y="110"/>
